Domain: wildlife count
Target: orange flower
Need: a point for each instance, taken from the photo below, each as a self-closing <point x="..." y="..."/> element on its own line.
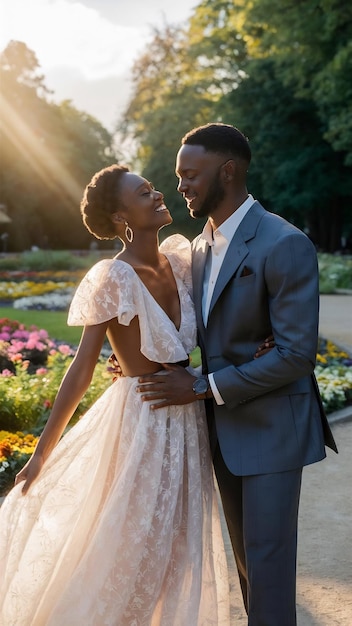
<point x="5" y="449"/>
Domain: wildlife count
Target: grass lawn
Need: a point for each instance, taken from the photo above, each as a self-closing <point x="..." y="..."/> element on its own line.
<point x="55" y="322"/>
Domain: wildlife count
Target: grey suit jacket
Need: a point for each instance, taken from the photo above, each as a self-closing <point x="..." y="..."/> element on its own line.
<point x="272" y="419"/>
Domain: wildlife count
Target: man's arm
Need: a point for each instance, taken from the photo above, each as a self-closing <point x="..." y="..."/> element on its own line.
<point x="292" y="285"/>
<point x="177" y="386"/>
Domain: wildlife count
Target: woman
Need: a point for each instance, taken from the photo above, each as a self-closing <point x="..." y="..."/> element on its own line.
<point x="120" y="524"/>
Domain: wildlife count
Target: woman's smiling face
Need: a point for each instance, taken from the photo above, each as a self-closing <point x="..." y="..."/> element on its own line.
<point x="141" y="205"/>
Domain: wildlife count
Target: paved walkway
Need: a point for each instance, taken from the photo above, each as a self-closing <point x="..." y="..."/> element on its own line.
<point x="324" y="568"/>
<point x="336" y="319"/>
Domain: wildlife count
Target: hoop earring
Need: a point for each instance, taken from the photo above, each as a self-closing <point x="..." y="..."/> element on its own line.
<point x="129" y="234"/>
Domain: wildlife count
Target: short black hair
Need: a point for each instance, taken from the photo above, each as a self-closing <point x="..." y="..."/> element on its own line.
<point x="220" y="138"/>
<point x="101" y="199"/>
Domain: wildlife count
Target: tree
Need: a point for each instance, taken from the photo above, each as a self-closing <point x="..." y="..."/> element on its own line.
<point x="279" y="72"/>
<point x="294" y="171"/>
<point x="311" y="44"/>
<point x="49" y="153"/>
<point x="177" y="82"/>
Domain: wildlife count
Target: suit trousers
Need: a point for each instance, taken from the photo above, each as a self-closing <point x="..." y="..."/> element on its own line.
<point x="261" y="512"/>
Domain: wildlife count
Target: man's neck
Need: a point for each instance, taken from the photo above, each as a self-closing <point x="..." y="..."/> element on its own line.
<point x="227" y="208"/>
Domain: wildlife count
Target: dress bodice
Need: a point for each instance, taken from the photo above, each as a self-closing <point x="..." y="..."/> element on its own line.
<point x="112" y="288"/>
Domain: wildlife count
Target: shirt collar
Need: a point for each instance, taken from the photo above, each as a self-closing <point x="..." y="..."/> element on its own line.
<point x="229" y="226"/>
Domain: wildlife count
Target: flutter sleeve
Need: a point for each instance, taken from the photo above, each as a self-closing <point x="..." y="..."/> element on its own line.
<point x="105" y="292"/>
<point x="177" y="248"/>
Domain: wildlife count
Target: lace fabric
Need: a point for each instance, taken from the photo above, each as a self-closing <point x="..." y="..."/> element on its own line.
<point x="112" y="288"/>
<point x="122" y="526"/>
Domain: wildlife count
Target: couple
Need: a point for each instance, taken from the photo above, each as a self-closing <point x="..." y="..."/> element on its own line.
<point x="120" y="525"/>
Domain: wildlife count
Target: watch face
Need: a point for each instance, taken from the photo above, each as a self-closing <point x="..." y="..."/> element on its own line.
<point x="200" y="386"/>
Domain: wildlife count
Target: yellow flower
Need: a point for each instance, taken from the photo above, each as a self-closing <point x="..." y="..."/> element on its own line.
<point x="321" y="358"/>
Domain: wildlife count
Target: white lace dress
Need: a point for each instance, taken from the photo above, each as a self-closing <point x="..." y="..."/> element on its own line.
<point x="122" y="527"/>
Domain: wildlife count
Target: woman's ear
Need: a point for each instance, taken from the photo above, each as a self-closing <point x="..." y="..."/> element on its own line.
<point x="116" y="218"/>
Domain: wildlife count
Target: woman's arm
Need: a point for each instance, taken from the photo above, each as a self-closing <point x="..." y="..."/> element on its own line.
<point x="72" y="388"/>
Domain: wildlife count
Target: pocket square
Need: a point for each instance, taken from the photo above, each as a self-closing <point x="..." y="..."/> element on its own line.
<point x="246" y="271"/>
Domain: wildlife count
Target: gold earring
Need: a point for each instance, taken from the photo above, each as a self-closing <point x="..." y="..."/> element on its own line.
<point x="129" y="234"/>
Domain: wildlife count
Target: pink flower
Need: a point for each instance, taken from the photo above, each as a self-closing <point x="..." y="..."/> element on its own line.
<point x="41" y="371"/>
<point x="16" y="346"/>
<point x="6" y="373"/>
<point x="64" y="349"/>
<point x="16" y="358"/>
<point x="33" y="343"/>
<point x="47" y="404"/>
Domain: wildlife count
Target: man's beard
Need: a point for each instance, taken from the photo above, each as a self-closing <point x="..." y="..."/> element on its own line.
<point x="214" y="197"/>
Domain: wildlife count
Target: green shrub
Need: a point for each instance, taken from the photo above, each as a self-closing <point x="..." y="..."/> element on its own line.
<point x="335" y="273"/>
<point x="26" y="398"/>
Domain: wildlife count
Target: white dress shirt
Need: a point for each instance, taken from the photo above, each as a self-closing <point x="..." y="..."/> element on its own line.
<point x="219" y="241"/>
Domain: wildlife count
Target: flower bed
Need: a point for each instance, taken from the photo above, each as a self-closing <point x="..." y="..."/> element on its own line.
<point x="15" y="450"/>
<point x="53" y="301"/>
<point x="334" y="375"/>
<point x="31" y="368"/>
<point x="39" y="290"/>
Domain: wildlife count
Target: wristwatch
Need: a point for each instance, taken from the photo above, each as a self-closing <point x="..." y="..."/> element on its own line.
<point x="201" y="386"/>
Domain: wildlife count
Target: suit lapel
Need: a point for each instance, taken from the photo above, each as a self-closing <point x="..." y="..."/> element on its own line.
<point x="237" y="250"/>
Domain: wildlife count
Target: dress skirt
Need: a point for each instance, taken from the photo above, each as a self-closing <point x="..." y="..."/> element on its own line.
<point x="122" y="526"/>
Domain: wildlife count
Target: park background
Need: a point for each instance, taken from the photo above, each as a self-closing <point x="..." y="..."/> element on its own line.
<point x="282" y="73"/>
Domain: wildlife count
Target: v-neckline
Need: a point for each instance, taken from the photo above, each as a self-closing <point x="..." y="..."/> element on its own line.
<point x="151" y="295"/>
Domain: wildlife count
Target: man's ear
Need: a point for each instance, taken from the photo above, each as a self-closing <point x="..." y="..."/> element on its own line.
<point x="229" y="170"/>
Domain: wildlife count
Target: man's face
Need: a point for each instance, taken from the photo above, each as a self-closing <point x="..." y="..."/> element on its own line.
<point x="199" y="177"/>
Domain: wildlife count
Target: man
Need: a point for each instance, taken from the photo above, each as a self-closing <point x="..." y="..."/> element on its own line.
<point x="253" y="274"/>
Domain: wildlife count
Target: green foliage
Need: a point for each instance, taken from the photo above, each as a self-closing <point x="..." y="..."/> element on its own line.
<point x="39" y="260"/>
<point x="23" y="400"/>
<point x="9" y="468"/>
<point x="281" y="73"/>
<point x="26" y="398"/>
<point x="192" y="68"/>
<point x="15" y="450"/>
<point x="48" y="154"/>
<point x="335" y="273"/>
<point x="334" y="97"/>
<point x="309" y="181"/>
<point x="311" y="45"/>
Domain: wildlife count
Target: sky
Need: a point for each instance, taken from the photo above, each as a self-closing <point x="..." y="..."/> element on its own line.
<point x="86" y="48"/>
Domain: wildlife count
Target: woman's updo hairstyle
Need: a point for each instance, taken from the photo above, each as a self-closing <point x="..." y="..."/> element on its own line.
<point x="101" y="200"/>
